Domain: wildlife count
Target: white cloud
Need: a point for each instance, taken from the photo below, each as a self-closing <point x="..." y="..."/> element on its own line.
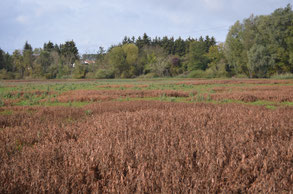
<point x="22" y="19"/>
<point x="214" y="5"/>
<point x="42" y="7"/>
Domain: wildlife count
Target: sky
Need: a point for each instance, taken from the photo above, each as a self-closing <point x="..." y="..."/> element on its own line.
<point x="95" y="23"/>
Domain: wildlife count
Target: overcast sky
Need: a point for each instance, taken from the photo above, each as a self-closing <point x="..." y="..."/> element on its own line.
<point x="94" y="23"/>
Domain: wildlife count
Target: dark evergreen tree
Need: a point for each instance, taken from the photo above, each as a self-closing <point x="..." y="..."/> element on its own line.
<point x="146" y="40"/>
<point x="48" y="46"/>
<point x="171" y="46"/>
<point x="179" y="47"/>
<point x="27" y="46"/>
<point x="2" y="64"/>
<point x="28" y="59"/>
<point x="201" y="39"/>
<point x="197" y="56"/>
<point x="101" y="53"/>
<point x="57" y="48"/>
<point x="8" y="65"/>
<point x="126" y="40"/>
<point x="69" y="51"/>
<point x="133" y="39"/>
<point x="139" y="42"/>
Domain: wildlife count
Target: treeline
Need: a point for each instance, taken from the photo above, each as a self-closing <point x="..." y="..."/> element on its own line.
<point x="148" y="57"/>
<point x="257" y="47"/>
<point x="51" y="61"/>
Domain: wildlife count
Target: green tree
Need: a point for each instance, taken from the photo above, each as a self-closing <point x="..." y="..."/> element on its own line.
<point x="197" y="60"/>
<point x="272" y="32"/>
<point x="69" y="52"/>
<point x="234" y="49"/>
<point x="17" y="60"/>
<point x="80" y="71"/>
<point x="43" y="62"/>
<point x="117" y="60"/>
<point x="146" y="40"/>
<point x="6" y="66"/>
<point x="155" y="61"/>
<point x="218" y="62"/>
<point x="8" y="61"/>
<point x="139" y="42"/>
<point x="280" y="25"/>
<point x="175" y="66"/>
<point x="209" y="42"/>
<point x="131" y="53"/>
<point x="259" y="61"/>
<point x="27" y="60"/>
<point x="2" y="62"/>
<point x="179" y="47"/>
<point x="57" y="48"/>
<point x="27" y="46"/>
<point x="101" y="53"/>
<point x="289" y="42"/>
<point x="168" y="44"/>
<point x="48" y="46"/>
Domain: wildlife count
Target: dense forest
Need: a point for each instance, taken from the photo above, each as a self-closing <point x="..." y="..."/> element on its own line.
<point x="257" y="47"/>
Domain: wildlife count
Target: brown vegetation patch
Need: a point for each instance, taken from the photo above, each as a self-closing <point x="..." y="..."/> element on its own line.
<point x="23" y="115"/>
<point x="35" y="93"/>
<point x="122" y="86"/>
<point x="273" y="96"/>
<point x="254" y="88"/>
<point x="148" y="147"/>
<point x="10" y="102"/>
<point x="235" y="81"/>
<point x="44" y="81"/>
<point x="248" y="98"/>
<point x="107" y="95"/>
<point x="252" y="94"/>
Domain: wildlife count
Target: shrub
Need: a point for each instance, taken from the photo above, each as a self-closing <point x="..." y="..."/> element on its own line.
<point x="283" y="76"/>
<point x="197" y="74"/>
<point x="240" y="76"/>
<point x="149" y="75"/>
<point x="104" y="74"/>
<point x="90" y="75"/>
<point x="1" y="102"/>
<point x="6" y="75"/>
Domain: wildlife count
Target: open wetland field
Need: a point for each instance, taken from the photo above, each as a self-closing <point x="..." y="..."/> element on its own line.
<point x="146" y="136"/>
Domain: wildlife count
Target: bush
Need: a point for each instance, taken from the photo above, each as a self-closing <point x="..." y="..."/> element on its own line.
<point x="240" y="76"/>
<point x="149" y="75"/>
<point x="125" y="74"/>
<point x="182" y="75"/>
<point x="17" y="75"/>
<point x="90" y="75"/>
<point x="283" y="76"/>
<point x="197" y="74"/>
<point x="6" y="75"/>
<point x="104" y="74"/>
<point x="1" y="102"/>
<point x="217" y="71"/>
<point x="209" y="73"/>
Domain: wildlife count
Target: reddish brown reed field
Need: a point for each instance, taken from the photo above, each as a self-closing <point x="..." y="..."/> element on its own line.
<point x="235" y="81"/>
<point x="255" y="93"/>
<point x="123" y="86"/>
<point x="107" y="95"/>
<point x="147" y="147"/>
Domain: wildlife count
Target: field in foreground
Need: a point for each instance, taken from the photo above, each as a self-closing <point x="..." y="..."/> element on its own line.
<point x="154" y="136"/>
